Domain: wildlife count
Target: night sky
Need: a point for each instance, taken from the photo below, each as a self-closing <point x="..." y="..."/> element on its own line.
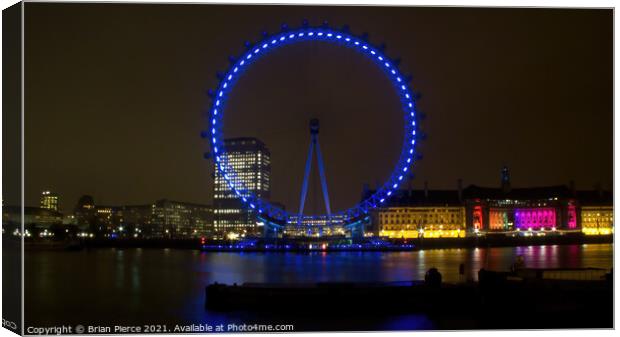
<point x="115" y="94"/>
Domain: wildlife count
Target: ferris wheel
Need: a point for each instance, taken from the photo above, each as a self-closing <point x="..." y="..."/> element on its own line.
<point x="288" y="36"/>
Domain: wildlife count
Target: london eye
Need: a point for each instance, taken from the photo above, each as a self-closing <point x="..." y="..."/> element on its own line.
<point x="341" y="37"/>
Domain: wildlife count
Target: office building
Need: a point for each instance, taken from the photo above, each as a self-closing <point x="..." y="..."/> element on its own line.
<point x="49" y="201"/>
<point x="249" y="158"/>
<point x="175" y="219"/>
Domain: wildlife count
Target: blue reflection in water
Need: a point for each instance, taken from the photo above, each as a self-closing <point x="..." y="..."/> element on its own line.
<point x="156" y="285"/>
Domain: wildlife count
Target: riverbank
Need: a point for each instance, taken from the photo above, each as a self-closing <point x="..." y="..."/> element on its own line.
<point x="318" y="245"/>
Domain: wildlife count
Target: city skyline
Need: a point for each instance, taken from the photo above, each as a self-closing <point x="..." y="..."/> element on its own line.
<point x="130" y="126"/>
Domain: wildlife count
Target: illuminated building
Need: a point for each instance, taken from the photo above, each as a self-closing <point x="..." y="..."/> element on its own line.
<point x="107" y="220"/>
<point x="69" y="219"/>
<point x="506" y="209"/>
<point x="136" y="221"/>
<point x="597" y="212"/>
<point x="84" y="212"/>
<point x="174" y="219"/>
<point x="250" y="159"/>
<point x="49" y="201"/>
<point x="597" y="220"/>
<point x="36" y="220"/>
<point x="315" y="226"/>
<point x="39" y="217"/>
<point x="162" y="219"/>
<point x="535" y="218"/>
<point x="421" y="214"/>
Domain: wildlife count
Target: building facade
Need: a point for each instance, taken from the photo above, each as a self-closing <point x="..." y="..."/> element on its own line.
<point x="596" y="212"/>
<point x="521" y="209"/>
<point x="597" y="220"/>
<point x="162" y="219"/>
<point x="503" y="210"/>
<point x="136" y="220"/>
<point x="250" y="159"/>
<point x="174" y="219"/>
<point x="49" y="201"/>
<point x="315" y="226"/>
<point x="413" y="214"/>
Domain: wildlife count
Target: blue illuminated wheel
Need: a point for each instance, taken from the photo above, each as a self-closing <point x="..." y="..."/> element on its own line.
<point x="300" y="35"/>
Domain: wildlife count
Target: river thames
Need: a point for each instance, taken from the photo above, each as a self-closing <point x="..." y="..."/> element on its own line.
<point x="167" y="286"/>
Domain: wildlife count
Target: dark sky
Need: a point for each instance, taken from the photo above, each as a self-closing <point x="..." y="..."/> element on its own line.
<point x="114" y="95"/>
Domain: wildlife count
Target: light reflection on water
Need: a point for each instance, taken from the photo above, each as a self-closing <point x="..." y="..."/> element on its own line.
<point x="149" y="285"/>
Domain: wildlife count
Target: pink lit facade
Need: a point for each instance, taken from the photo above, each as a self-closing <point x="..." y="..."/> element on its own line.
<point x="535" y="218"/>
